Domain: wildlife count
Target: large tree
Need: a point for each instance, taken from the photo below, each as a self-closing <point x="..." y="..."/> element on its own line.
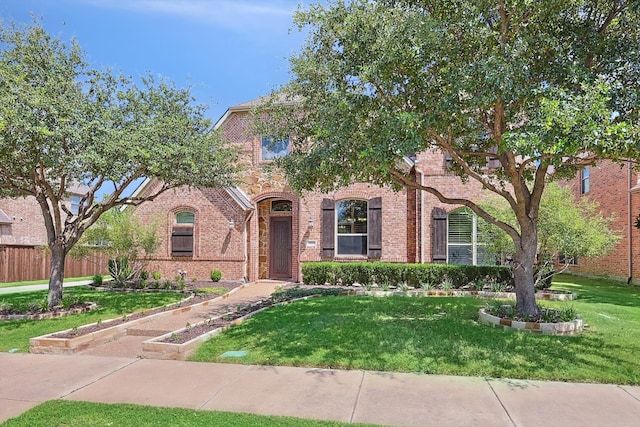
<point x="63" y="123"/>
<point x="540" y="88"/>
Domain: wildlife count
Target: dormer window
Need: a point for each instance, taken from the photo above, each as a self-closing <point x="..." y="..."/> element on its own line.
<point x="273" y="148"/>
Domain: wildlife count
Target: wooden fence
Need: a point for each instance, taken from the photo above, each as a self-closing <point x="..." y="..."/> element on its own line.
<point x="20" y="263"/>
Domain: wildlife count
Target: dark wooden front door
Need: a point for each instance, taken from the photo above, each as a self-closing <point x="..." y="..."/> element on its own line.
<point x="280" y="248"/>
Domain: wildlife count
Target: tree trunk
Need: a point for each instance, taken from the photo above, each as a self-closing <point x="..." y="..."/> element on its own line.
<point x="58" y="254"/>
<point x="524" y="260"/>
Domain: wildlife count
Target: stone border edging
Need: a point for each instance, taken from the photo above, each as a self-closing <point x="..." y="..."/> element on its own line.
<point x="548" y="296"/>
<point x="48" y="344"/>
<point x="561" y="328"/>
<point x="49" y="314"/>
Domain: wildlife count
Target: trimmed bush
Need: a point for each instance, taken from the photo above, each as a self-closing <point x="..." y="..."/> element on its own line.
<point x="394" y="274"/>
<point x="216" y="275"/>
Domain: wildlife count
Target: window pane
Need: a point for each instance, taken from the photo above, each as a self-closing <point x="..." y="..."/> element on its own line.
<point x="461" y="227"/>
<point x="460" y="254"/>
<point x="281" y="206"/>
<point x="273" y="148"/>
<point x="484" y="257"/>
<point x="352" y="245"/>
<point x="352" y="217"/>
<point x="185" y="218"/>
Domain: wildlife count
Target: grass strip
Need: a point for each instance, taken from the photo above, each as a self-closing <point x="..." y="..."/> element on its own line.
<point x="59" y="413"/>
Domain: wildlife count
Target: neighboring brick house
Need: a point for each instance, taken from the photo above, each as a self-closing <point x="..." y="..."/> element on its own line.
<point x="21" y="220"/>
<point x="263" y="229"/>
<point x="617" y="190"/>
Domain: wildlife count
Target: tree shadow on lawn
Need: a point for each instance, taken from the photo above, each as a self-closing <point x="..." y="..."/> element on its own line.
<point x="429" y="335"/>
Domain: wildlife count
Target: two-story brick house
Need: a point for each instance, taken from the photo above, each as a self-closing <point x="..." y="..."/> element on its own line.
<point x="263" y="229"/>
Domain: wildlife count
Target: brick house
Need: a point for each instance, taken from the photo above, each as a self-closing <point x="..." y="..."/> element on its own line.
<point x="262" y="229"/>
<point x="23" y="238"/>
<point x="617" y="190"/>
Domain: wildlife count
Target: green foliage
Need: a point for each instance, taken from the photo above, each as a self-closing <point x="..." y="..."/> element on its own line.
<point x="156" y="275"/>
<point x="215" y="275"/>
<point x="97" y="280"/>
<point x="393" y="274"/>
<point x="120" y="270"/>
<point x="63" y="123"/>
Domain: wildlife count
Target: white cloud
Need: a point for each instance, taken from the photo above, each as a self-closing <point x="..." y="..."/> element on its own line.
<point x="238" y="15"/>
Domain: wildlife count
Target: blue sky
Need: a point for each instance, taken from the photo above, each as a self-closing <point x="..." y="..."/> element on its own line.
<point x="228" y="51"/>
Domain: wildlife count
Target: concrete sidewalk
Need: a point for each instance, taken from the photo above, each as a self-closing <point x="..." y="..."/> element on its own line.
<point x="27" y="288"/>
<point x="347" y="396"/>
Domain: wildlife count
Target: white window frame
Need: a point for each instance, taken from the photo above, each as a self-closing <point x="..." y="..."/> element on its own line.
<point x="337" y="225"/>
<point x="585" y="180"/>
<point x="266" y="154"/>
<point x="474" y="237"/>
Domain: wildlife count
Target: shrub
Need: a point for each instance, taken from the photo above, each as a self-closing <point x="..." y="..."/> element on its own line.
<point x="144" y="275"/>
<point x="393" y="274"/>
<point x="215" y="275"/>
<point x="120" y="269"/>
<point x="97" y="280"/>
<point x="156" y="275"/>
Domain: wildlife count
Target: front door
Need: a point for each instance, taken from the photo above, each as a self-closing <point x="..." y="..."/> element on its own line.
<point x="280" y="248"/>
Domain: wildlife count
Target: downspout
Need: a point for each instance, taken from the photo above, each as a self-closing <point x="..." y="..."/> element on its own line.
<point x="422" y="221"/>
<point x="245" y="263"/>
<point x="630" y="225"/>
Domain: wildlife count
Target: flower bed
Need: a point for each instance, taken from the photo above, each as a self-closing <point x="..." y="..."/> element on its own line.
<point x="61" y="312"/>
<point x="560" y="328"/>
<point x="72" y="341"/>
<point x="542" y="295"/>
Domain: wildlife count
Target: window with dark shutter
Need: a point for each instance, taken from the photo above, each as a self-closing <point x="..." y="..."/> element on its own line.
<point x="439" y="236"/>
<point x="375" y="227"/>
<point x="182" y="234"/>
<point x="328" y="228"/>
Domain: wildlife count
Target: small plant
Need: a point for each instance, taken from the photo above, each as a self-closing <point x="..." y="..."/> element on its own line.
<point x="446" y="284"/>
<point x="567" y="314"/>
<point x="99" y="323"/>
<point x="187" y="326"/>
<point x="403" y="286"/>
<point x="194" y="279"/>
<point x="215" y="275"/>
<point x="497" y="286"/>
<point x="144" y="275"/>
<point x="427" y="286"/>
<point x="125" y="318"/>
<point x="174" y="337"/>
<point x="97" y="280"/>
<point x="368" y="286"/>
<point x="167" y="284"/>
<point x="74" y="332"/>
<point x="156" y="275"/>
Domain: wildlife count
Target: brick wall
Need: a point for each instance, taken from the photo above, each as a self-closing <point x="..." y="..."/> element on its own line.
<point x="28" y="224"/>
<point x="216" y="245"/>
<point x="609" y="186"/>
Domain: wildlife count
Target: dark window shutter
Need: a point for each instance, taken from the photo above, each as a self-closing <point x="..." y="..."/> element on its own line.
<point x="493" y="162"/>
<point x="375" y="228"/>
<point x="328" y="228"/>
<point x="182" y="241"/>
<point x="438" y="236"/>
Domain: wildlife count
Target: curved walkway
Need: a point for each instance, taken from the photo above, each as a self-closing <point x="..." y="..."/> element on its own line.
<point x="348" y="396"/>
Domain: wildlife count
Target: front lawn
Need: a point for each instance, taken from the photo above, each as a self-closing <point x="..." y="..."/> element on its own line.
<point x="16" y="333"/>
<point x="80" y="414"/>
<point x="440" y="335"/>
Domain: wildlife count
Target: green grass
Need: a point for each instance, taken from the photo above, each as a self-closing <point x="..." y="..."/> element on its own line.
<point x="441" y="336"/>
<point x="59" y="413"/>
<point x="44" y="281"/>
<point x="16" y="333"/>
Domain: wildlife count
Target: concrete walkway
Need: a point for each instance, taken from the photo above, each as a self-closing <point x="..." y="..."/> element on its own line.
<point x="114" y="373"/>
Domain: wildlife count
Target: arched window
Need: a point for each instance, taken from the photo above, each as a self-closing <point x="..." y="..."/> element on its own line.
<point x="182" y="234"/>
<point x="463" y="245"/>
<point x="351" y="219"/>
